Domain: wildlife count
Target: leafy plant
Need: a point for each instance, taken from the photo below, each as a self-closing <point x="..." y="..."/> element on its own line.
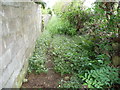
<point x="57" y="26"/>
<point x="74" y="82"/>
<point x="99" y="78"/>
<point x="74" y="55"/>
<point x="72" y="13"/>
<point x="37" y="61"/>
<point x="43" y="4"/>
<point x="86" y="57"/>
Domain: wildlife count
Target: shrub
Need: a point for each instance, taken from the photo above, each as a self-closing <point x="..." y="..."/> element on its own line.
<point x="58" y="26"/>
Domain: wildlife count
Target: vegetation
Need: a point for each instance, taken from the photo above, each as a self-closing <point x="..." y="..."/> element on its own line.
<point x="42" y="3"/>
<point x="46" y="11"/>
<point x="37" y="61"/>
<point x="84" y="44"/>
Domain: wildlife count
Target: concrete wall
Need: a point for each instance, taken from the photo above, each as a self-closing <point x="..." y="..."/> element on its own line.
<point x="20" y="25"/>
<point x="46" y="18"/>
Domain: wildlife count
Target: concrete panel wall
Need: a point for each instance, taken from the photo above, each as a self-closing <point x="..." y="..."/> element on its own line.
<point x="20" y="25"/>
<point x="46" y="18"/>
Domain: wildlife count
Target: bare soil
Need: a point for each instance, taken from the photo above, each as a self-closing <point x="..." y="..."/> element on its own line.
<point x="50" y="79"/>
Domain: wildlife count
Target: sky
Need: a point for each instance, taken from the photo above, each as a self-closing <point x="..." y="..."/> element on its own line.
<point x="87" y="3"/>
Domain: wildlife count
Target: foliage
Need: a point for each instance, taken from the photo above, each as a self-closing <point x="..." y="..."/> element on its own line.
<point x="43" y="4"/>
<point x="46" y="11"/>
<point x="49" y="11"/>
<point x="37" y="61"/>
<point x="75" y="14"/>
<point x="58" y="7"/>
<point x="72" y="13"/>
<point x="75" y="55"/>
<point x="57" y="26"/>
<point x="74" y="82"/>
<point x="86" y="56"/>
<point x="105" y="20"/>
<point x="98" y="78"/>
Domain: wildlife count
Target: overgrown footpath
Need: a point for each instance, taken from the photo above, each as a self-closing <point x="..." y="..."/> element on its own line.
<point x="78" y="49"/>
<point x="62" y="61"/>
<point x="40" y="70"/>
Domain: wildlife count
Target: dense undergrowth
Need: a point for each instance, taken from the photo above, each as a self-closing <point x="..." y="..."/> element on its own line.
<point x="75" y="56"/>
<point x="38" y="59"/>
<point x="81" y="45"/>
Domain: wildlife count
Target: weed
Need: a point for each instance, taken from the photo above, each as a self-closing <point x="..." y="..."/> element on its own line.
<point x="37" y="61"/>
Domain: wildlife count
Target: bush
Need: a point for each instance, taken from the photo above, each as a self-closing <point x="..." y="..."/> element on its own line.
<point x="58" y="26"/>
<point x="74" y="14"/>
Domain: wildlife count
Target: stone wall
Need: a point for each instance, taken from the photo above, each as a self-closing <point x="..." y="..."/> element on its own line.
<point x="20" y="25"/>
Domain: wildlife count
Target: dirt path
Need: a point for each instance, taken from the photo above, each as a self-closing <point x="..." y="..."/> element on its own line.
<point x="50" y="79"/>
